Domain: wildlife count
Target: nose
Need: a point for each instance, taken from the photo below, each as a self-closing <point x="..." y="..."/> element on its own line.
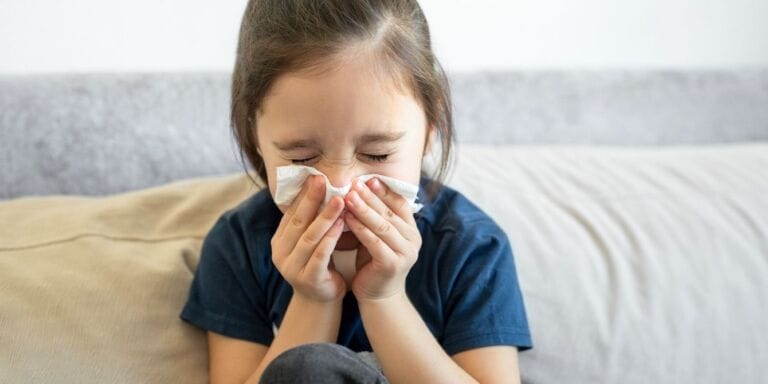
<point x="339" y="175"/>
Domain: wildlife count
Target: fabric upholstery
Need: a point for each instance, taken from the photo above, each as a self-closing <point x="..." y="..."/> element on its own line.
<point x="91" y="288"/>
<point x="637" y="265"/>
<point x="95" y="134"/>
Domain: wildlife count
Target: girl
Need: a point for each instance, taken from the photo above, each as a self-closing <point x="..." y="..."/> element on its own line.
<point x="351" y="88"/>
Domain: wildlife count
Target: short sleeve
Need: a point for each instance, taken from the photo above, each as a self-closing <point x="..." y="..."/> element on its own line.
<point x="484" y="306"/>
<point x="226" y="295"/>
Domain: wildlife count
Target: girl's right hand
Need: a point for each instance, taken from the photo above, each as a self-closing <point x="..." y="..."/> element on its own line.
<point x="304" y="241"/>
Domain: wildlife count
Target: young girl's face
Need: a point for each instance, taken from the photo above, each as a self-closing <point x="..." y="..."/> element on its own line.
<point x="345" y="123"/>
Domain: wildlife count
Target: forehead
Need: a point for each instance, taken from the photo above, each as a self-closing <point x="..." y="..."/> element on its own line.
<point x="353" y="96"/>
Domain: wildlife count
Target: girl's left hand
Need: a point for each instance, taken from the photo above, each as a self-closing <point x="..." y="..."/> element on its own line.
<point x="383" y="222"/>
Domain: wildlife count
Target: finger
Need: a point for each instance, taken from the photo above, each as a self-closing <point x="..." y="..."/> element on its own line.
<point x="379" y="251"/>
<point x="320" y="258"/>
<point x="317" y="231"/>
<point x="289" y="212"/>
<point x="397" y="203"/>
<point x="283" y="224"/>
<point x="382" y="209"/>
<point x="375" y="223"/>
<point x="305" y="212"/>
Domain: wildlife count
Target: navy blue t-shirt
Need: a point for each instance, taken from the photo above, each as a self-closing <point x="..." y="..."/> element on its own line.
<point x="463" y="284"/>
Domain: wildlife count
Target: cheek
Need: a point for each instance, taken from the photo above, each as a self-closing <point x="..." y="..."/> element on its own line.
<point x="412" y="164"/>
<point x="407" y="168"/>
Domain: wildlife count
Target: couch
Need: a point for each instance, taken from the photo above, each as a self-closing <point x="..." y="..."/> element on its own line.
<point x="636" y="203"/>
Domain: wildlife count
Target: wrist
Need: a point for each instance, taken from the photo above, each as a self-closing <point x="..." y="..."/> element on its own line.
<point x="393" y="300"/>
<point x="315" y="304"/>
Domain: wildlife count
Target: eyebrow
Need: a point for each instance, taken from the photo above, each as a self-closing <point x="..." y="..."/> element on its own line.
<point x="364" y="139"/>
<point x="295" y="144"/>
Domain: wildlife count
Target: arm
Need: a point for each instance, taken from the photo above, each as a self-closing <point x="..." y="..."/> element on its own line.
<point x="237" y="361"/>
<point x="496" y="364"/>
<point x="404" y="345"/>
<point x="406" y="348"/>
<point x="411" y="354"/>
<point x="301" y="251"/>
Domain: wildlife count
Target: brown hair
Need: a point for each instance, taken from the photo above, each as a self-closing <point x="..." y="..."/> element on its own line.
<point x="281" y="36"/>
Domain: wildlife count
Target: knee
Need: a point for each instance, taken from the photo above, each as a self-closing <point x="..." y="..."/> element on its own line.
<point x="320" y="363"/>
<point x="310" y="356"/>
<point x="307" y="363"/>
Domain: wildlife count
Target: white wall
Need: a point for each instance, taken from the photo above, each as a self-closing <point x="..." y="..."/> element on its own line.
<point x="140" y="35"/>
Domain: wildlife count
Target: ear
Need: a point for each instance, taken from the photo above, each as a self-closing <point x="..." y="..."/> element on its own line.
<point x="258" y="149"/>
<point x="431" y="132"/>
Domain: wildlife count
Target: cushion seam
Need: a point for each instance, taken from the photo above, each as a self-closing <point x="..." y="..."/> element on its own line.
<point x="111" y="237"/>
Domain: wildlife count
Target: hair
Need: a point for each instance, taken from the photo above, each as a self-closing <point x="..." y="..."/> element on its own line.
<point x="283" y="36"/>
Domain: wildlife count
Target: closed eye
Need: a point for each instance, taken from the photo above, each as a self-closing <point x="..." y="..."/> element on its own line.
<point x="303" y="161"/>
<point x="377" y="158"/>
<point x="374" y="158"/>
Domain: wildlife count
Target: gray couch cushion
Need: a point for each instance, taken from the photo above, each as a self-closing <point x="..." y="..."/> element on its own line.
<point x="612" y="107"/>
<point x="98" y="134"/>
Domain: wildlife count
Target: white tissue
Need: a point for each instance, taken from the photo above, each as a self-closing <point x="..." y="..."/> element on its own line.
<point x="290" y="179"/>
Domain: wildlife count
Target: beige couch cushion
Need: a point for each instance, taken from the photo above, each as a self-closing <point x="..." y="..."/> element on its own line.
<point x="91" y="288"/>
<point x="637" y="265"/>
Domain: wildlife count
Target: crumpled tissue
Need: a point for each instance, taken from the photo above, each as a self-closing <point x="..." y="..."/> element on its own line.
<point x="290" y="179"/>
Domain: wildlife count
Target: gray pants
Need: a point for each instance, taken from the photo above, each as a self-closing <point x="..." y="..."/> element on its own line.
<point x="321" y="363"/>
